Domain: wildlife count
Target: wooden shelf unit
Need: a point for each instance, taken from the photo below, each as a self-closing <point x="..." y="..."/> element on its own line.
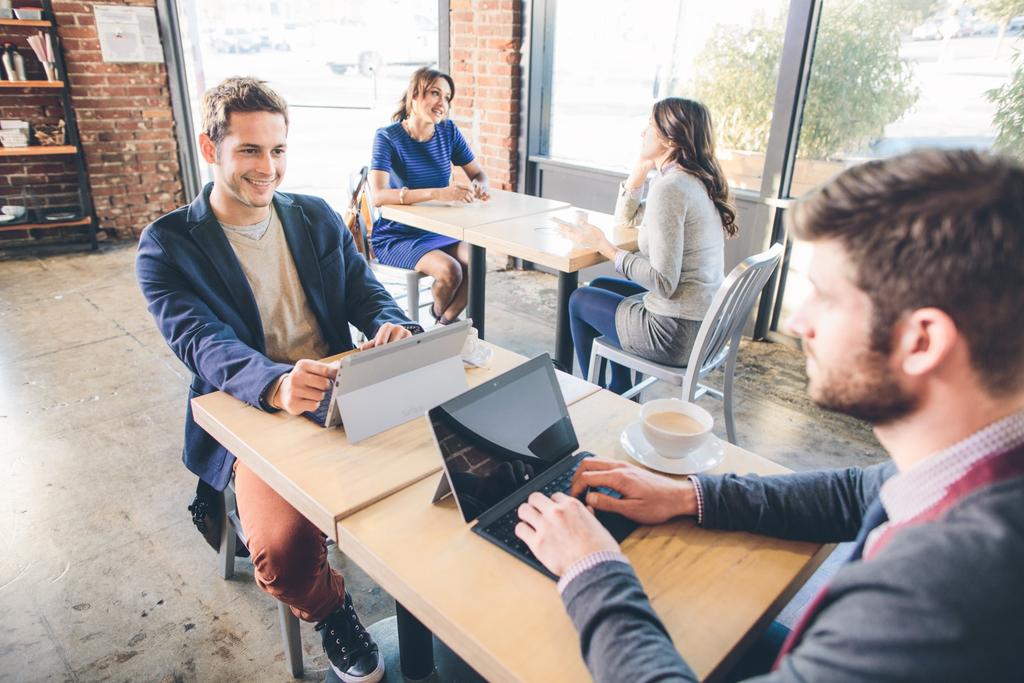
<point x="10" y="90"/>
<point x="7" y="227"/>
<point x="26" y="23"/>
<point x="37" y="151"/>
<point x="31" y="84"/>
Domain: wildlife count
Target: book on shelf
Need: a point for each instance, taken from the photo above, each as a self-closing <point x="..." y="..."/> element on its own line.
<point x="14" y="133"/>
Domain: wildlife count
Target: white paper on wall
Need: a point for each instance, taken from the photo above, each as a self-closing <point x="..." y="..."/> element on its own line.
<point x="128" y="34"/>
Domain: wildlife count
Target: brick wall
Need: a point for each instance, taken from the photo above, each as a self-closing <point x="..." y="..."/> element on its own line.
<point x="124" y="119"/>
<point x="124" y="114"/>
<point x="486" y="46"/>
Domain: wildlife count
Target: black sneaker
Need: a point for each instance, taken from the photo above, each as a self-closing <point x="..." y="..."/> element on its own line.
<point x="207" y="510"/>
<point x="350" y="649"/>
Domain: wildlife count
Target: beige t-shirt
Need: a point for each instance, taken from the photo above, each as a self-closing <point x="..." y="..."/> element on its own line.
<point x="289" y="324"/>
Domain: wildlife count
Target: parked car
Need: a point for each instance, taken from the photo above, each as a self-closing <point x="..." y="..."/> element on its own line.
<point x="365" y="48"/>
<point x="929" y="30"/>
<point x="236" y="40"/>
<point x="976" y="26"/>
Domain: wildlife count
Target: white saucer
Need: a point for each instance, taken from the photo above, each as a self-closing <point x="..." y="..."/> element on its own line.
<point x="701" y="460"/>
<point x="7" y="218"/>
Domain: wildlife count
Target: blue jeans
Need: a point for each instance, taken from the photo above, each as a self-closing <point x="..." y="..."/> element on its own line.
<point x="591" y="315"/>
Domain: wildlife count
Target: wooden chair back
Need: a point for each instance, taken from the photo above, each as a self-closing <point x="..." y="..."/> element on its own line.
<point x="357" y="189"/>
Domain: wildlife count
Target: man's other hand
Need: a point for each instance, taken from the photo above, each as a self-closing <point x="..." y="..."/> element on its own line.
<point x="647" y="498"/>
<point x="560" y="531"/>
<point x="304" y="387"/>
<point x="387" y="333"/>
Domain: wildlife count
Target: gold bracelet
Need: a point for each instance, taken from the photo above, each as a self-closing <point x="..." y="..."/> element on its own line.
<point x="401" y="195"/>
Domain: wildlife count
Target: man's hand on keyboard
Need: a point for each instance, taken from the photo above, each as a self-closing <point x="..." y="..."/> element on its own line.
<point x="388" y="332"/>
<point x="647" y="498"/>
<point x="304" y="387"/>
<point x="560" y="531"/>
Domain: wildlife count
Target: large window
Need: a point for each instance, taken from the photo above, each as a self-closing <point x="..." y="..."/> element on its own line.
<point x="841" y="81"/>
<point x="612" y="61"/>
<point x="889" y="76"/>
<point x="342" y="66"/>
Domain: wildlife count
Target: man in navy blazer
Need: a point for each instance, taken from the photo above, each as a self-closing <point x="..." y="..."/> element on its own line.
<point x="249" y="286"/>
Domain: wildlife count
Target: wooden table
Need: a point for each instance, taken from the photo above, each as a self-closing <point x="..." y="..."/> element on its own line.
<point x="536" y="238"/>
<point x="714" y="590"/>
<point x="453" y="221"/>
<point x="317" y="471"/>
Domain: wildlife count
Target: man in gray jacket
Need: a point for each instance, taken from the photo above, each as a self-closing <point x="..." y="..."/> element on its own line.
<point x="914" y="323"/>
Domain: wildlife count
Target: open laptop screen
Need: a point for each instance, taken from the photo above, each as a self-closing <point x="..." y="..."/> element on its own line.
<point x="496" y="437"/>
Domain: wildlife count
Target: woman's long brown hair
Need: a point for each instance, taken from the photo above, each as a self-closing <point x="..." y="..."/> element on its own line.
<point x="686" y="125"/>
<point x="421" y="79"/>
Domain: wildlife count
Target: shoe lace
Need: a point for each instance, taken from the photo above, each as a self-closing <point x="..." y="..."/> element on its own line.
<point x="355" y="631"/>
<point x="199" y="509"/>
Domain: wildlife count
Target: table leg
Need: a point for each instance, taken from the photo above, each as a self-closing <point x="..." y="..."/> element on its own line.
<point x="477" y="285"/>
<point x="567" y="283"/>
<point x="415" y="645"/>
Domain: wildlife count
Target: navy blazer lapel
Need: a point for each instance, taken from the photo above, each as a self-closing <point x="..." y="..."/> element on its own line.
<point x="210" y="237"/>
<point x="307" y="263"/>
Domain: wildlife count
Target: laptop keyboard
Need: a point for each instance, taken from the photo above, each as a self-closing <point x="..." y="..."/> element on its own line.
<point x="503" y="528"/>
<point x="320" y="414"/>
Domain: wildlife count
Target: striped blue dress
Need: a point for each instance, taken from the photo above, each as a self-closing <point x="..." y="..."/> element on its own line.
<point x="416" y="165"/>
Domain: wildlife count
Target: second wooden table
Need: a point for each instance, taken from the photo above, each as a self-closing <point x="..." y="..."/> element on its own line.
<point x="536" y="238"/>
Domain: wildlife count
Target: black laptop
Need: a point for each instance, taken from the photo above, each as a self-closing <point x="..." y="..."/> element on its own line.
<point x="503" y="440"/>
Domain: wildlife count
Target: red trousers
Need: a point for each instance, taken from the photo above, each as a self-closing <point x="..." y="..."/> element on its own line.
<point x="288" y="552"/>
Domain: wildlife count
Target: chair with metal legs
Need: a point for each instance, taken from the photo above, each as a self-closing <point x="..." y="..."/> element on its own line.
<point x="717" y="343"/>
<point x="231" y="530"/>
<point x="360" y="222"/>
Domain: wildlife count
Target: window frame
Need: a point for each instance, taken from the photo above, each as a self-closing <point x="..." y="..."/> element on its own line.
<point x="170" y="37"/>
<point x="766" y="205"/>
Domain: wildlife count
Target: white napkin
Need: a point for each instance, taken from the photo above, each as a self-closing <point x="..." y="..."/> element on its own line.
<point x="475" y="354"/>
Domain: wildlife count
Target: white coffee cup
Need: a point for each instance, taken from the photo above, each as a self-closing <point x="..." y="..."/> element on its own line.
<point x="675" y="437"/>
<point x="11" y="210"/>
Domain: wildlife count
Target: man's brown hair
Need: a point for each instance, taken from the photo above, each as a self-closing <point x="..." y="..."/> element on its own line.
<point x="942" y="229"/>
<point x="238" y="94"/>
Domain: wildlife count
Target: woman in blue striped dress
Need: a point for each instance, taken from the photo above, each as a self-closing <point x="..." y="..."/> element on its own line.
<point x="412" y="163"/>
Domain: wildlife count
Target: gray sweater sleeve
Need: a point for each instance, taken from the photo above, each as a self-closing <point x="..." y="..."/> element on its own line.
<point x="621" y="636"/>
<point x="944" y="604"/>
<point x="664" y="223"/>
<point x="941" y="604"/>
<point x="629" y="209"/>
<point x="822" y="507"/>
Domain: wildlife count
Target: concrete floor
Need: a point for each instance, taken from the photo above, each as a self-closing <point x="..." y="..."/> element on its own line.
<point x="104" y="577"/>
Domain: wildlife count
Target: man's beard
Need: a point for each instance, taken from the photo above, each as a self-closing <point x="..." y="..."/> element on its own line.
<point x="865" y="390"/>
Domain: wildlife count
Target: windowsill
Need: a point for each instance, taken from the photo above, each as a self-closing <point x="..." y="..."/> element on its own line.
<point x="620" y="174"/>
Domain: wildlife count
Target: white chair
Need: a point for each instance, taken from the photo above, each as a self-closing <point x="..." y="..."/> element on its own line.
<point x="718" y="339"/>
<point x="231" y="530"/>
<point x="364" y="215"/>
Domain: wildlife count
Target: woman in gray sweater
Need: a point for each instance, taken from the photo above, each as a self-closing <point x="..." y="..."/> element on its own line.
<point x="683" y="220"/>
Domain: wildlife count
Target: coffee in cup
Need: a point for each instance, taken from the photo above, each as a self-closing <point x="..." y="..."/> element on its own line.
<point x="675" y="428"/>
<point x="675" y="423"/>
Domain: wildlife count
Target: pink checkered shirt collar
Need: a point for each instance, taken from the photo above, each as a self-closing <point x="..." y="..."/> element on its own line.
<point x="908" y="494"/>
